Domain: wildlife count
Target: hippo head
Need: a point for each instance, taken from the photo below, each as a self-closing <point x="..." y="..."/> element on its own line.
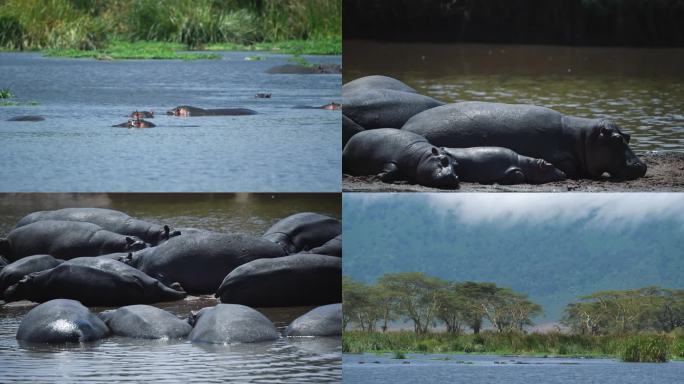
<point x="19" y="290"/>
<point x="165" y="233"/>
<point x="332" y="106"/>
<point x="436" y="169"/>
<point x="544" y="172"/>
<point x="179" y="111"/>
<point x="608" y="151"/>
<point x="133" y="244"/>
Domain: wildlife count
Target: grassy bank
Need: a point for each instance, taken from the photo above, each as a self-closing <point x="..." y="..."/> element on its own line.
<point x="117" y="28"/>
<point x="628" y="347"/>
<point x="8" y="99"/>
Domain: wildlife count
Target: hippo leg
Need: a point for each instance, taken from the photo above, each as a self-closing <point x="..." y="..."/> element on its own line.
<point x="390" y="172"/>
<point x="513" y="175"/>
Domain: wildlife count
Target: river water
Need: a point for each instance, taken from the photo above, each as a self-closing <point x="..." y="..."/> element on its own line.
<point x="474" y="369"/>
<point x="76" y="149"/>
<point x="118" y="359"/>
<point x="641" y="89"/>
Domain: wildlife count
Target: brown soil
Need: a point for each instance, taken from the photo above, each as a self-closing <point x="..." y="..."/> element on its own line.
<point x="665" y="174"/>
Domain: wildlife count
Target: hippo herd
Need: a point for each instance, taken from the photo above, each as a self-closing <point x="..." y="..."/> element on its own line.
<point x="73" y="258"/>
<point x="391" y="131"/>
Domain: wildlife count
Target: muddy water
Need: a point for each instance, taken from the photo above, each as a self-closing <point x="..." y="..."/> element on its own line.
<point x="118" y="359"/>
<point x="642" y="89"/>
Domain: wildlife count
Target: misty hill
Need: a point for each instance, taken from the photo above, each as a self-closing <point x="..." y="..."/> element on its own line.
<point x="554" y="261"/>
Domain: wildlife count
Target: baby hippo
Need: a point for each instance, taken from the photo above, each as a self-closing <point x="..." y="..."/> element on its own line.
<point x="488" y="165"/>
<point x="394" y="154"/>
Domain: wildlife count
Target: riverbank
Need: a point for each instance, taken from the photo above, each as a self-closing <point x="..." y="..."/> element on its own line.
<point x="551" y="344"/>
<point x="665" y="174"/>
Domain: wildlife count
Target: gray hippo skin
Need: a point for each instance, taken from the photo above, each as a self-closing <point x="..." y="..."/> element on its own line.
<point x="61" y="321"/>
<point x="332" y="247"/>
<point x="229" y="324"/>
<point x="384" y="108"/>
<point x="321" y="321"/>
<point x="488" y="165"/>
<point x="199" y="261"/>
<point x="393" y="154"/>
<point x="303" y="231"/>
<point x="93" y="282"/>
<point x="65" y="240"/>
<point x="349" y="129"/>
<point x="108" y="219"/>
<point x="26" y="118"/>
<point x="377" y="82"/>
<point x="302" y="279"/>
<point x="186" y="110"/>
<point x="581" y="148"/>
<point x="14" y="272"/>
<point x="145" y="322"/>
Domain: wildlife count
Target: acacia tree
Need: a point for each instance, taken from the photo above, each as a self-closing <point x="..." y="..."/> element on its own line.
<point x="415" y="295"/>
<point x="451" y="308"/>
<point x="358" y="306"/>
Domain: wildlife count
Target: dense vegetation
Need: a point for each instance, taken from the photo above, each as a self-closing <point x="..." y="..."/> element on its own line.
<point x="93" y="24"/>
<point x="573" y="22"/>
<point x="638" y="325"/>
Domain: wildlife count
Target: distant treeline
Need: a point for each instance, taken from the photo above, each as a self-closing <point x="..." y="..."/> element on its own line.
<point x="565" y="22"/>
<point x="89" y="24"/>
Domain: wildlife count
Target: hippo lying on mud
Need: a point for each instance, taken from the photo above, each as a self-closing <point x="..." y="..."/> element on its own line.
<point x="26" y="118"/>
<point x="16" y="271"/>
<point x="301" y="279"/>
<point x="61" y="321"/>
<point x="230" y="323"/>
<point x="393" y="154"/>
<point x="135" y="123"/>
<point x="186" y="110"/>
<point x="65" y="240"/>
<point x="199" y="261"/>
<point x="145" y="322"/>
<point x="303" y="231"/>
<point x="580" y="147"/>
<point x="325" y="320"/>
<point x="108" y="219"/>
<point x="488" y="165"/>
<point x="388" y="103"/>
<point x="93" y="282"/>
<point x="349" y="129"/>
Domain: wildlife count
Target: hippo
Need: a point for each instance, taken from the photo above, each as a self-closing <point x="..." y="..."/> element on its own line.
<point x="26" y="118"/>
<point x="186" y="110"/>
<point x="145" y="322"/>
<point x="199" y="261"/>
<point x="108" y="219"/>
<point x="15" y="271"/>
<point x="263" y="95"/>
<point x="142" y="115"/>
<point x="580" y="147"/>
<point x="135" y="123"/>
<point x="61" y="321"/>
<point x="393" y="154"/>
<point x="229" y="324"/>
<point x="93" y="282"/>
<point x="303" y="231"/>
<point x="382" y="102"/>
<point x="349" y="129"/>
<point x="301" y="279"/>
<point x="488" y="165"/>
<point x="296" y="69"/>
<point x="330" y="107"/>
<point x="65" y="240"/>
<point x="325" y="320"/>
<point x="332" y="247"/>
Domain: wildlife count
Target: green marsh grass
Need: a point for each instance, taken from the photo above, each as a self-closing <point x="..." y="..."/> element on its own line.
<point x="134" y="50"/>
<point x="649" y="349"/>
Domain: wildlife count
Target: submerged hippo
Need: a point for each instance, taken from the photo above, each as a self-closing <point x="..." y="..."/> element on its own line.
<point x="301" y="279"/>
<point x="393" y="154"/>
<point x="186" y="110"/>
<point x="332" y="247"/>
<point x="15" y="271"/>
<point x="108" y="219"/>
<point x="61" y="321"/>
<point x="135" y="123"/>
<point x="580" y="147"/>
<point x="325" y="320"/>
<point x="488" y="165"/>
<point x="26" y="118"/>
<point x="93" y="282"/>
<point x="263" y="95"/>
<point x="303" y="231"/>
<point x="295" y="69"/>
<point x="142" y="115"/>
<point x="349" y="129"/>
<point x="330" y="107"/>
<point x="145" y="322"/>
<point x="199" y="261"/>
<point x="65" y="240"/>
<point x="230" y="323"/>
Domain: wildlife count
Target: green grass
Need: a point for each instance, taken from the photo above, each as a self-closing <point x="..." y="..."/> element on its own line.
<point x="324" y="46"/>
<point x="133" y="50"/>
<point x="5" y="93"/>
<point x="638" y="347"/>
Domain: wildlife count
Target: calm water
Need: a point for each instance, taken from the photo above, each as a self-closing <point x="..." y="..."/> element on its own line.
<point x="641" y="89"/>
<point x="76" y="149"/>
<point x="118" y="359"/>
<point x="503" y="369"/>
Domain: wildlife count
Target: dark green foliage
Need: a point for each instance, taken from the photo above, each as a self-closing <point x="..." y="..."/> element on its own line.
<point x="646" y="349"/>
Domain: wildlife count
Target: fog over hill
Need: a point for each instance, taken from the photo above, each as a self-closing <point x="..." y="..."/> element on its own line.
<point x="554" y="247"/>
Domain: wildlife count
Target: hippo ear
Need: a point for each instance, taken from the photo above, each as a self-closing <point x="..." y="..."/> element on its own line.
<point x="129" y="240"/>
<point x="166" y="230"/>
<point x="435" y="151"/>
